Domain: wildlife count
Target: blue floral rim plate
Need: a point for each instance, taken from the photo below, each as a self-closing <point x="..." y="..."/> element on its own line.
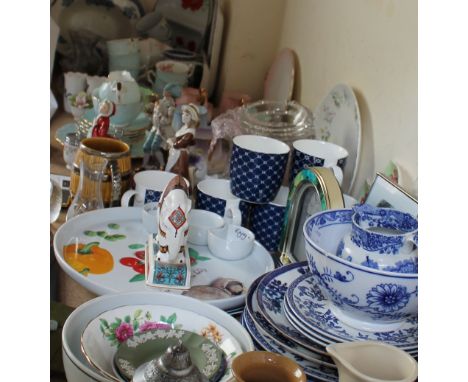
<point x="317" y="372"/>
<point x="270" y="294"/>
<point x="270" y="333"/>
<point x="312" y="309"/>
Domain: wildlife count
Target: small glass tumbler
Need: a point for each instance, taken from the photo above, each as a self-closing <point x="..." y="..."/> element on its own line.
<point x="70" y="147"/>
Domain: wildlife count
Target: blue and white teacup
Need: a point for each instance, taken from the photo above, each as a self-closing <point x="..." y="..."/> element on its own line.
<point x="215" y="195"/>
<point x="313" y="153"/>
<point x="267" y="220"/>
<point x="257" y="169"/>
<point x="149" y="186"/>
<point x="382" y="238"/>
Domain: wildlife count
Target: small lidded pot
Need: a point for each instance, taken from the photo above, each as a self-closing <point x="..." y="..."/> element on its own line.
<point x="382" y="238"/>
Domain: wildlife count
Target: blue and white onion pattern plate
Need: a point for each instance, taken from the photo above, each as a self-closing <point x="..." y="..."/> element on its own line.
<point x="271" y="334"/>
<point x="312" y="310"/>
<point x="312" y="370"/>
<point x="270" y="295"/>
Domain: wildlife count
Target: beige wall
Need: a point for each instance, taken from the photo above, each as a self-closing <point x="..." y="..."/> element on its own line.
<point x="369" y="44"/>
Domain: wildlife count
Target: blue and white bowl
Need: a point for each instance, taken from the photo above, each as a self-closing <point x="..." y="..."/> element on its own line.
<point x="362" y="297"/>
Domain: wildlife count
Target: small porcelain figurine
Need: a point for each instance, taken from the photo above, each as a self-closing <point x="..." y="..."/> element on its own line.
<point x="178" y="160"/>
<point x="154" y="141"/>
<point x="167" y="105"/>
<point x="167" y="252"/>
<point x="101" y="123"/>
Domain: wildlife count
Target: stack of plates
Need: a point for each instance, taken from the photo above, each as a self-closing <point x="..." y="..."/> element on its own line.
<point x="287" y="313"/>
<point x="95" y="332"/>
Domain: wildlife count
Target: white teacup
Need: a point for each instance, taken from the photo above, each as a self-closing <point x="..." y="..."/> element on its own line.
<point x="231" y="242"/>
<point x="75" y="82"/>
<point x="150" y="217"/>
<point x="310" y="152"/>
<point x="200" y="222"/>
<point x="149" y="186"/>
<point x="94" y="82"/>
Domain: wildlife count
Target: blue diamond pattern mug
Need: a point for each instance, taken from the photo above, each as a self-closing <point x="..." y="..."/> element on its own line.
<point x="148" y="187"/>
<point x="215" y="195"/>
<point x="267" y="220"/>
<point x="312" y="153"/>
<point x="257" y="169"/>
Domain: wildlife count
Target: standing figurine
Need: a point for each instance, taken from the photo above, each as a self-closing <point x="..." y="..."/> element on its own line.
<point x="167" y="104"/>
<point x="167" y="256"/>
<point x="154" y="141"/>
<point x="178" y="160"/>
<point x="101" y="123"/>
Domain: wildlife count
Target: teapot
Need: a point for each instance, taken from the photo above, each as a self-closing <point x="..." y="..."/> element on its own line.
<point x="120" y="88"/>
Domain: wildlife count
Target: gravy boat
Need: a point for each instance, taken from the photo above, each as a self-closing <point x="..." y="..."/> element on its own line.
<point x="371" y="361"/>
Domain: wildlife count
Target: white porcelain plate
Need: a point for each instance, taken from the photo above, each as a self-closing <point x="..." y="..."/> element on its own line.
<point x="337" y="120"/>
<point x="104" y="334"/>
<point x="111" y="242"/>
<point x="312" y="310"/>
<point x="279" y="82"/>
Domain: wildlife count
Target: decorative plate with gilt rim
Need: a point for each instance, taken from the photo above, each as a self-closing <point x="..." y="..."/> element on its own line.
<point x="337" y="120"/>
<point x="106" y="333"/>
<point x="103" y="251"/>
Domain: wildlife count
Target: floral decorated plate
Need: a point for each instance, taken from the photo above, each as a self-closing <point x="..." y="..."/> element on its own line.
<point x="270" y="294"/>
<point x="270" y="333"/>
<point x="145" y="347"/>
<point x="105" y="334"/>
<point x="312" y="310"/>
<point x="337" y="120"/>
<point x="114" y="240"/>
<point x="316" y="372"/>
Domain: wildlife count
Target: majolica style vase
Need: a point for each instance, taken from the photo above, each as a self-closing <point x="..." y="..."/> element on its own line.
<point x="382" y="238"/>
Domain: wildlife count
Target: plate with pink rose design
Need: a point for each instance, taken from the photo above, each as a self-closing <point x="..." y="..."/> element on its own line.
<point x="104" y="334"/>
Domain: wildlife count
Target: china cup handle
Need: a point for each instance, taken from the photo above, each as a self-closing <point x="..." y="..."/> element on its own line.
<point x="151" y="77"/>
<point x="338" y="172"/>
<point x="232" y="214"/>
<point x="125" y="201"/>
<point x="116" y="179"/>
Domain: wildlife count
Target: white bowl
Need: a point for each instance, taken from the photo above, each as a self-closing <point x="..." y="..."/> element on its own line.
<point x="200" y="222"/>
<point x="362" y="297"/>
<point x="77" y="368"/>
<point x="231" y="242"/>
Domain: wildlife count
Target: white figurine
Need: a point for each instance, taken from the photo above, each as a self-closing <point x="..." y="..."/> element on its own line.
<point x="154" y="141"/>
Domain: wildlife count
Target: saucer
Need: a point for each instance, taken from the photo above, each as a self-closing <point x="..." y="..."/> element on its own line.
<point x="314" y="311"/>
<point x="272" y="334"/>
<point x="316" y="372"/>
<point x="270" y="294"/>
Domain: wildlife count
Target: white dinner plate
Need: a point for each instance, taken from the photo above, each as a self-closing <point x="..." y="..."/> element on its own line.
<point x="279" y="82"/>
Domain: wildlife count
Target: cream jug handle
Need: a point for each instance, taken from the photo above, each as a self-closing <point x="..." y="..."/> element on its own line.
<point x="232" y="213"/>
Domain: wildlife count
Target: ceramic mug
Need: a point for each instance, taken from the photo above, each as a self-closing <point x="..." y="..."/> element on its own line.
<point x="150" y="217"/>
<point x="313" y="153"/>
<point x="262" y="366"/>
<point x="215" y="195"/>
<point x="257" y="167"/>
<point x="267" y="220"/>
<point x="149" y="186"/>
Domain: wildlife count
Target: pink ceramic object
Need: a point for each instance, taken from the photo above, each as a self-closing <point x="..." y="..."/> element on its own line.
<point x="232" y="100"/>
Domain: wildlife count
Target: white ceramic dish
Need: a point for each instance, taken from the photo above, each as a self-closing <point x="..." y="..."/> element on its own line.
<point x="231" y="242"/>
<point x="77" y="368"/>
<point x="101" y="337"/>
<point x="337" y="120"/>
<point x="200" y="223"/>
<point x="126" y="238"/>
<point x="279" y="82"/>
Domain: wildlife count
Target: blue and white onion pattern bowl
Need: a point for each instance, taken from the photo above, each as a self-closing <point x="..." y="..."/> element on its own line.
<point x="362" y="297"/>
<point x="257" y="167"/>
<point x="382" y="238"/>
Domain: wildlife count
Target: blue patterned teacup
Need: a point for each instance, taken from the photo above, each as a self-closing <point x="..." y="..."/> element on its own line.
<point x="267" y="220"/>
<point x="257" y="169"/>
<point x="149" y="186"/>
<point x="382" y="238"/>
<point x="312" y="153"/>
<point x="215" y="195"/>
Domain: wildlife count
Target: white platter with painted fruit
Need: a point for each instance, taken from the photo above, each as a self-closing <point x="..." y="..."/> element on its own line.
<point x="103" y="251"/>
<point x="337" y="120"/>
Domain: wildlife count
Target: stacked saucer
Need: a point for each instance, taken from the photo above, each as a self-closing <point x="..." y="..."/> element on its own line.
<point x="287" y="313"/>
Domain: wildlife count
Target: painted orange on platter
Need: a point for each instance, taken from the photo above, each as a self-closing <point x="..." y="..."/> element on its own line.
<point x="88" y="258"/>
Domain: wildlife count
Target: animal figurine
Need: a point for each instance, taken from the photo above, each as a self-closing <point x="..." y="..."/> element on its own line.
<point x="178" y="160"/>
<point x="168" y="261"/>
<point x="101" y="123"/>
<point x="152" y="148"/>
